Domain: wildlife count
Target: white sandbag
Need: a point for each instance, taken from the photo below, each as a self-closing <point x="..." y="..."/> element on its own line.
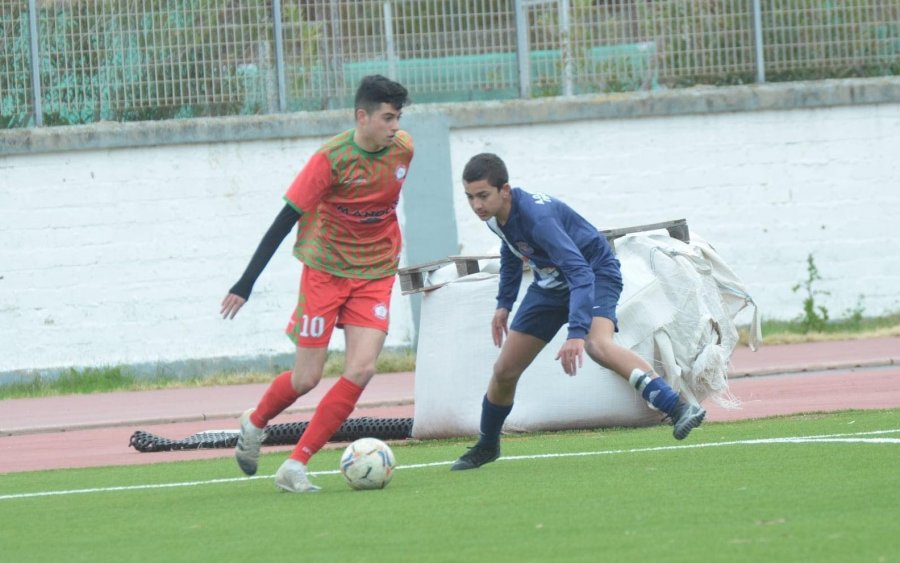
<point x="676" y="311"/>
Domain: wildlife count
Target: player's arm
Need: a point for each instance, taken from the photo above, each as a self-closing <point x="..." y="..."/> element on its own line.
<point x="510" y="280"/>
<point x="304" y="194"/>
<point x="566" y="256"/>
<point x="240" y="292"/>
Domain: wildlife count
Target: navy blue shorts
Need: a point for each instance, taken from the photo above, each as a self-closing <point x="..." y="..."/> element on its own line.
<point x="544" y="311"/>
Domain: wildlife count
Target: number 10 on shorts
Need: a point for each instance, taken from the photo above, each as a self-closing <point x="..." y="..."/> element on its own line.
<point x="311" y="326"/>
<point x="306" y="330"/>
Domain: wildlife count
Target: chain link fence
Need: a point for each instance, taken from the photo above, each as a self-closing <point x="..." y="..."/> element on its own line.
<point x="82" y="61"/>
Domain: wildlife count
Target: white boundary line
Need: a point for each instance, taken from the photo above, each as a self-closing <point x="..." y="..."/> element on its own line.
<point x="854" y="438"/>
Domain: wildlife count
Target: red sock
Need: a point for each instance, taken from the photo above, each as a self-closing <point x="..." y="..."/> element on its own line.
<point x="279" y="396"/>
<point x="333" y="410"/>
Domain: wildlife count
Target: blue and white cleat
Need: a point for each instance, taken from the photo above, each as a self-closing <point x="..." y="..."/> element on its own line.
<point x="685" y="418"/>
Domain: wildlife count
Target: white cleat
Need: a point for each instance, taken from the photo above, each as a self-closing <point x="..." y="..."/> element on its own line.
<point x="291" y="477"/>
<point x="246" y="452"/>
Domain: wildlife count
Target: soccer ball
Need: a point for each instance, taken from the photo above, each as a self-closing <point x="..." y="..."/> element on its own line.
<point x="368" y="463"/>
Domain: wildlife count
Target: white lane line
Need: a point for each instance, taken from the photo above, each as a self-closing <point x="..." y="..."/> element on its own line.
<point x="859" y="437"/>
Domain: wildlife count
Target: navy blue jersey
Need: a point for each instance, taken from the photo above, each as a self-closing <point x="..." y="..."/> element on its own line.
<point x="564" y="250"/>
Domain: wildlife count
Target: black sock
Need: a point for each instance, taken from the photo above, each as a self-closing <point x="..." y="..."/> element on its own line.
<point x="492" y="418"/>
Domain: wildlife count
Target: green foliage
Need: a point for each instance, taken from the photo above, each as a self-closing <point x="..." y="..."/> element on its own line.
<point x="15" y="73"/>
<point x="124" y="60"/>
<point x="121" y="378"/>
<point x="92" y="380"/>
<point x="815" y="316"/>
<point x="816" y="323"/>
<point x="854" y="315"/>
<point x="79" y="381"/>
<point x="696" y="39"/>
<point x="853" y="325"/>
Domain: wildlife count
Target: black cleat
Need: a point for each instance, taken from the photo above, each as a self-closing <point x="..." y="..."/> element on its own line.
<point x="685" y="418"/>
<point x="477" y="456"/>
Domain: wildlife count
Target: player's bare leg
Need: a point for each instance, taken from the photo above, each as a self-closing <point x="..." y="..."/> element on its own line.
<point x="603" y="349"/>
<point x="363" y="345"/>
<point x="309" y="363"/>
<point x="518" y="352"/>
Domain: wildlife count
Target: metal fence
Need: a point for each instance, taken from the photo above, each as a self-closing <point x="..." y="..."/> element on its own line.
<point x="82" y="61"/>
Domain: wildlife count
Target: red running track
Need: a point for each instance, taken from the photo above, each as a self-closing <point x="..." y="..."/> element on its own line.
<point x="94" y="430"/>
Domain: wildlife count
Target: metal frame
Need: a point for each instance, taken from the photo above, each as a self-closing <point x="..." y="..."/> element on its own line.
<point x="414" y="279"/>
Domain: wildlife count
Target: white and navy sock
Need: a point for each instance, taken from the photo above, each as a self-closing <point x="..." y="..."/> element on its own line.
<point x="655" y="391"/>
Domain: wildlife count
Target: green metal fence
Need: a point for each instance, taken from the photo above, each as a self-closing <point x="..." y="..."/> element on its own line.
<point x="127" y="60"/>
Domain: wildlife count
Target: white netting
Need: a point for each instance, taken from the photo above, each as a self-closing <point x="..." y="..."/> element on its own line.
<point x="701" y="298"/>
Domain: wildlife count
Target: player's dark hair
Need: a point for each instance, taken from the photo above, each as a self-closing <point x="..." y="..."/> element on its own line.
<point x="486" y="166"/>
<point x="375" y="90"/>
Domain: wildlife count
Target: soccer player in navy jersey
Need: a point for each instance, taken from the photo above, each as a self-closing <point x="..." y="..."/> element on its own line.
<point x="577" y="281"/>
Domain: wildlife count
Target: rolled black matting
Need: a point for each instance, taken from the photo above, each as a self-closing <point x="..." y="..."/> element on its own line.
<point x="277" y="435"/>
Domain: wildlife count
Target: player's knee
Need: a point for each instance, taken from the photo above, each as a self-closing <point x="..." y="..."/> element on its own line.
<point x="304" y="382"/>
<point x="360" y="375"/>
<point x="505" y="375"/>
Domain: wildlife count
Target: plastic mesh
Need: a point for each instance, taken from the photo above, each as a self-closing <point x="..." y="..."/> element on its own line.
<point x="277" y="435"/>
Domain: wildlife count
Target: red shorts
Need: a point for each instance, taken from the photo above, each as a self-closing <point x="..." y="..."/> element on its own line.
<point x="327" y="300"/>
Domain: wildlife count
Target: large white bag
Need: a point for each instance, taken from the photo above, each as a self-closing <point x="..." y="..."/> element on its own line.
<point x="677" y="311"/>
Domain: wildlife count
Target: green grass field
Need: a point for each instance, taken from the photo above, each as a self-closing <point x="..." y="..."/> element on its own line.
<point x="820" y="487"/>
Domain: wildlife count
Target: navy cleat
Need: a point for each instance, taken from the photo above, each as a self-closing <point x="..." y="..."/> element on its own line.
<point x="685" y="418"/>
<point x="477" y="456"/>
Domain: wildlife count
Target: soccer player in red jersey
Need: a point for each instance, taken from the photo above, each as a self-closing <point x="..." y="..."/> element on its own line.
<point x="344" y="204"/>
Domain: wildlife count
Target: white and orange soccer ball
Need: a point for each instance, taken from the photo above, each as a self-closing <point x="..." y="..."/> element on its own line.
<point x="368" y="463"/>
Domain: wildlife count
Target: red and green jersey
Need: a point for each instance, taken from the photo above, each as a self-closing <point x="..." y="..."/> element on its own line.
<point x="348" y="201"/>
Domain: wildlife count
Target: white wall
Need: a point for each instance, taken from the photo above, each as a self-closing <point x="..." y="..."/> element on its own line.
<point x="123" y="256"/>
<point x="766" y="188"/>
<point x="118" y="256"/>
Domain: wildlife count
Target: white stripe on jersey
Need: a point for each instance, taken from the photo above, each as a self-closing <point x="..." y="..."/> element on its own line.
<point x="546" y="278"/>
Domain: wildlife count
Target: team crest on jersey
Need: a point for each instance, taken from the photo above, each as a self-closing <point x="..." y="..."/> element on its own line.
<point x="524" y="247"/>
<point x="400" y="172"/>
<point x="380" y="311"/>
